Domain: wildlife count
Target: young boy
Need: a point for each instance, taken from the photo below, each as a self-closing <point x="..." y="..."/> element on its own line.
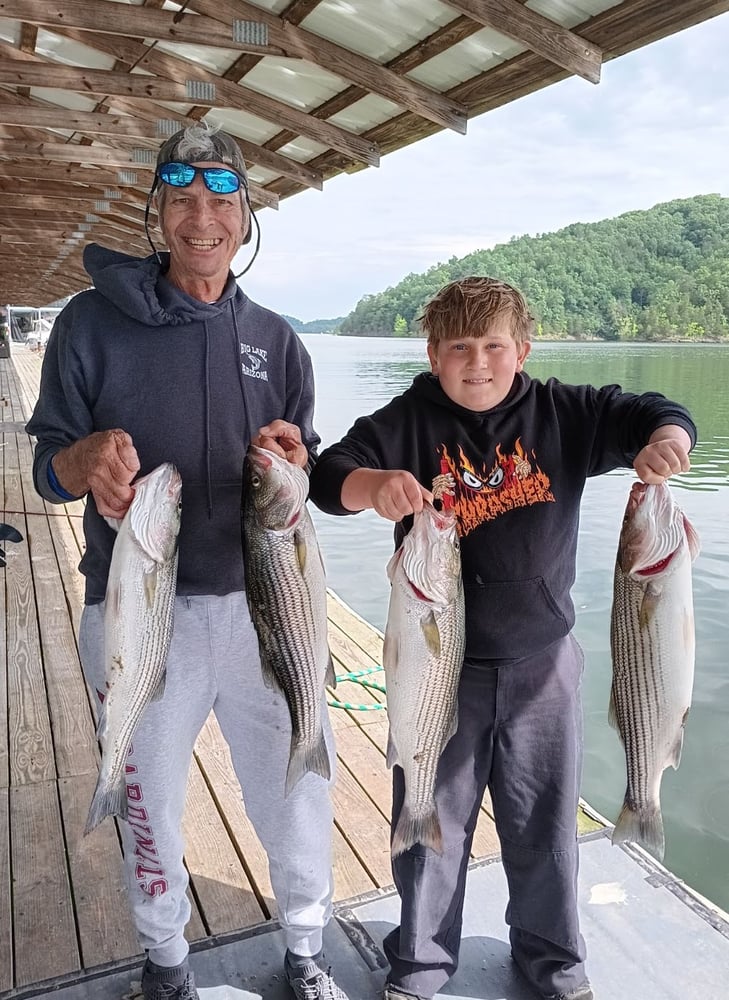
<point x="513" y="455"/>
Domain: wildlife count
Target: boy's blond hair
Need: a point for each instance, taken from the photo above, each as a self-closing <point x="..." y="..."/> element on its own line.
<point x="469" y="306"/>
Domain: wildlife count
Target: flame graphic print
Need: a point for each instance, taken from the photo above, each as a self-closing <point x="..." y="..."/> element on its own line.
<point x="482" y="493"/>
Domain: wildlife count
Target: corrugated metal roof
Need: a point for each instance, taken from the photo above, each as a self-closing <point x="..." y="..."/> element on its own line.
<point x="310" y="89"/>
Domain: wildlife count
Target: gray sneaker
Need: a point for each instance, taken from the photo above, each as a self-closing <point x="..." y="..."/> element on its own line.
<point x="583" y="992"/>
<point x="159" y="983"/>
<point x="309" y="982"/>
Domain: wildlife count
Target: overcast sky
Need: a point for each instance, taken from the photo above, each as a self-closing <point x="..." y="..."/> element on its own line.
<point x="655" y="128"/>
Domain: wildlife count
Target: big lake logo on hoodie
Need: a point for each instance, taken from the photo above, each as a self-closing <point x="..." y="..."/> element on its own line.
<point x="253" y="362"/>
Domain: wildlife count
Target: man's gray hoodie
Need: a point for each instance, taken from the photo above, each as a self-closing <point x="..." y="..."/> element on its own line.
<point x="190" y="382"/>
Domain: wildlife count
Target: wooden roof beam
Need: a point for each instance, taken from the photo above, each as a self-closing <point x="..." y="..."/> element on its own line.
<point x="109" y="156"/>
<point x="146" y="22"/>
<point x="178" y="71"/>
<point x="131" y="119"/>
<point x="349" y="65"/>
<point x="545" y="37"/>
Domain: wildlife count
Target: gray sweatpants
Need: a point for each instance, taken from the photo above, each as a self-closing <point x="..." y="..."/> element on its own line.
<point x="213" y="664"/>
<point x="519" y="734"/>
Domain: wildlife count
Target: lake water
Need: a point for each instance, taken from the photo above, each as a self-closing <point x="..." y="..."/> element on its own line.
<point x="357" y="375"/>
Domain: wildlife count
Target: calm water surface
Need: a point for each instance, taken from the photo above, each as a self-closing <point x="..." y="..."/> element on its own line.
<point x="357" y="375"/>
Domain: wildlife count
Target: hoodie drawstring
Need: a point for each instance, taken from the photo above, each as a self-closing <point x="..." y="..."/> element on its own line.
<point x="208" y="443"/>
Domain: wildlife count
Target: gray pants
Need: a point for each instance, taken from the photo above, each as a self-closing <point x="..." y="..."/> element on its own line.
<point x="519" y="734"/>
<point x="213" y="664"/>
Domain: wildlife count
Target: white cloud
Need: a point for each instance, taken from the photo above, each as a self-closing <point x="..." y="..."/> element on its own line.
<point x="654" y="129"/>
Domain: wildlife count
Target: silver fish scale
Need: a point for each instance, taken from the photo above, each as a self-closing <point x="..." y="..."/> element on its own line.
<point x="641" y="689"/>
<point x="138" y="619"/>
<point x="652" y="648"/>
<point x="145" y="638"/>
<point x="289" y="613"/>
<point x="422" y="688"/>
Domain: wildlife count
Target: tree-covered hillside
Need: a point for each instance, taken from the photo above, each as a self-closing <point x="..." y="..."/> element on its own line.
<point x="653" y="275"/>
<point x="314" y="325"/>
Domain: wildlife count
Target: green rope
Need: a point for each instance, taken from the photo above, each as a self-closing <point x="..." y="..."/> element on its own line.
<point x="356" y="676"/>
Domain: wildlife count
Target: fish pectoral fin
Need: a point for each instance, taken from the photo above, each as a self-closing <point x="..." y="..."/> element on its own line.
<point x="390" y="651"/>
<point x="431" y="633"/>
<point x="150" y="585"/>
<point x="302" y="550"/>
<point x="113" y="599"/>
<point x="649" y="605"/>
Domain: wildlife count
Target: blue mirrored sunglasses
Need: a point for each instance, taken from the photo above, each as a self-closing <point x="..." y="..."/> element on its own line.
<point x="219" y="180"/>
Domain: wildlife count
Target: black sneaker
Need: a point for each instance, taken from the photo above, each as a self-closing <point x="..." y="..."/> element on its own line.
<point x="159" y="983"/>
<point x="309" y="982"/>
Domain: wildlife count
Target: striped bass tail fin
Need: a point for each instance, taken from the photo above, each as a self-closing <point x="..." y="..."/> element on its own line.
<point x="641" y="826"/>
<point x="303" y="759"/>
<point x="422" y="829"/>
<point x="107" y="801"/>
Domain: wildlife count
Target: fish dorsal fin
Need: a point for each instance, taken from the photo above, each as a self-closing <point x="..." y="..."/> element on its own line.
<point x="431" y="633"/>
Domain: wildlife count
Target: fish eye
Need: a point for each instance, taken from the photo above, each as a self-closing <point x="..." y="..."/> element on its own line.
<point x="255" y="481"/>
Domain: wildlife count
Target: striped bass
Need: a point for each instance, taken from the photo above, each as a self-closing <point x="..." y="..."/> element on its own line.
<point x="423" y="657"/>
<point x="652" y="642"/>
<point x="286" y="591"/>
<point x="138" y="611"/>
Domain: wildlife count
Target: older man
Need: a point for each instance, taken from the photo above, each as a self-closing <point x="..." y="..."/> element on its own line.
<point x="153" y="365"/>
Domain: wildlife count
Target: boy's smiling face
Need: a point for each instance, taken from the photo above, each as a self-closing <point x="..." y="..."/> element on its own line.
<point x="478" y="372"/>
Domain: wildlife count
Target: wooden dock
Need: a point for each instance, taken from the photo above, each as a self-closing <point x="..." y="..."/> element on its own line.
<point x="62" y="899"/>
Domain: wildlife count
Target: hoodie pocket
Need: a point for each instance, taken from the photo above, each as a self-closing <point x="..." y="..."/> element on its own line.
<point x="508" y="619"/>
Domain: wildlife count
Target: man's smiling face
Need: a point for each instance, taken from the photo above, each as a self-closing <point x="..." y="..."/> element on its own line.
<point x="203" y="230"/>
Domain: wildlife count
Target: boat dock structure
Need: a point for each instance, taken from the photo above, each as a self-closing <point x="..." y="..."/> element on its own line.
<point x="64" y="926"/>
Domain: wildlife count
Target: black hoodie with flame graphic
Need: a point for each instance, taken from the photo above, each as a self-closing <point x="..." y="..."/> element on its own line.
<point x="517" y="473"/>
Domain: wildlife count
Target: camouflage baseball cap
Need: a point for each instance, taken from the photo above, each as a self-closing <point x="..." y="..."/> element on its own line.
<point x="202" y="142"/>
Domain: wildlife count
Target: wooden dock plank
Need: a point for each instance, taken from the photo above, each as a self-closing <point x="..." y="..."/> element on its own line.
<point x="74" y="738"/>
<point x="4" y="751"/>
<point x="6" y="907"/>
<point x="29" y="728"/>
<point x="45" y="932"/>
<point x="105" y="927"/>
<point x="214" y="760"/>
<point x="219" y="881"/>
<point x="363" y="826"/>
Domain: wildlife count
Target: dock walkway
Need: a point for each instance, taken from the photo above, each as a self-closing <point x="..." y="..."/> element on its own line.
<point x="62" y="907"/>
